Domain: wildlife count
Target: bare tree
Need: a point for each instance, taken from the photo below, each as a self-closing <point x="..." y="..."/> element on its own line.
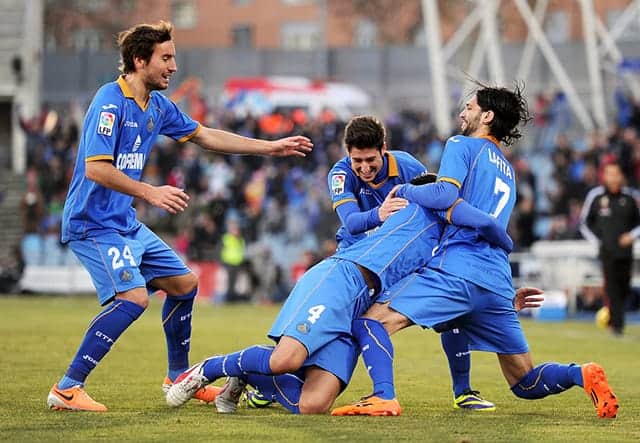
<point x="63" y="17"/>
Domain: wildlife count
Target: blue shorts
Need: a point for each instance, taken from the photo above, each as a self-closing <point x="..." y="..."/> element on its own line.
<point x="119" y="263"/>
<point x="338" y="357"/>
<point x="431" y="298"/>
<point x="323" y="304"/>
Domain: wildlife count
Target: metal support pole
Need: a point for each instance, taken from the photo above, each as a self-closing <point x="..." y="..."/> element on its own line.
<point x="593" y="64"/>
<point x="554" y="64"/>
<point x="524" y="67"/>
<point x="492" y="41"/>
<point x="614" y="52"/>
<point x="439" y="85"/>
<point x="467" y="26"/>
<point x="27" y="99"/>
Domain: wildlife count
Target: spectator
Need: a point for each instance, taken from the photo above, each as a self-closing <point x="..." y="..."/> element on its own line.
<point x="610" y="219"/>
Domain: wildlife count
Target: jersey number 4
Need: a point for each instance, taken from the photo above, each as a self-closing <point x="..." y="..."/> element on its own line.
<point x="314" y="313"/>
<point x="503" y="191"/>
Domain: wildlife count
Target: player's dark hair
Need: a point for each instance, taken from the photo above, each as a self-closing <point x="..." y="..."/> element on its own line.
<point x="424" y="179"/>
<point x="509" y="110"/>
<point x="140" y="41"/>
<point x="364" y="131"/>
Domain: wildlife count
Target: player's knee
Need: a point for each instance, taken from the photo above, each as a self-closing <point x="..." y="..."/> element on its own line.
<point x="187" y="284"/>
<point x="316" y="405"/>
<point x="281" y="363"/>
<point x="139" y="297"/>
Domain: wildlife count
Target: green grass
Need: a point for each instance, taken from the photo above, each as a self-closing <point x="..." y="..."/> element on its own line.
<point x="40" y="335"/>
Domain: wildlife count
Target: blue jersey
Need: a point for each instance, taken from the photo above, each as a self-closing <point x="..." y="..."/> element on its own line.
<point x="345" y="186"/>
<point x="487" y="181"/>
<point x="404" y="243"/>
<point x="119" y="129"/>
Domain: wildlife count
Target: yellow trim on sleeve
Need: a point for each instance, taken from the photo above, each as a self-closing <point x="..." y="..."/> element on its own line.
<point x="453" y="181"/>
<point x="450" y="210"/>
<point x="99" y="157"/>
<point x="190" y="136"/>
<point x="340" y="202"/>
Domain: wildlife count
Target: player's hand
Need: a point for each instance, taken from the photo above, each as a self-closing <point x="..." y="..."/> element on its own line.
<point x="169" y="198"/>
<point x="391" y="205"/>
<point x="296" y="145"/>
<point x="528" y="297"/>
<point x="625" y="240"/>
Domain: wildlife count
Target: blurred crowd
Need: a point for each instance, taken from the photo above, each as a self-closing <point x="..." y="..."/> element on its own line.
<point x="267" y="220"/>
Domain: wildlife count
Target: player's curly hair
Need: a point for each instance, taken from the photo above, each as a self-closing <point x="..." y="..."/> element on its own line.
<point x="509" y="108"/>
<point x="364" y="131"/>
<point x="139" y="41"/>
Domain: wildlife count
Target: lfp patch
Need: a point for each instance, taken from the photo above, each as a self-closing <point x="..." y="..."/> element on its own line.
<point x="105" y="123"/>
<point x="337" y="183"/>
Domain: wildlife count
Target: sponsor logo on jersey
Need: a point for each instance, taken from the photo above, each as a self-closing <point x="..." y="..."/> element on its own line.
<point x="109" y="106"/>
<point x="130" y="124"/>
<point x="137" y="143"/>
<point x="337" y="183"/>
<point x="130" y="160"/>
<point x="105" y="123"/>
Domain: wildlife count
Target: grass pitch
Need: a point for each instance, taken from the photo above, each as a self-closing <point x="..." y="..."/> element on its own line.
<point x="40" y="334"/>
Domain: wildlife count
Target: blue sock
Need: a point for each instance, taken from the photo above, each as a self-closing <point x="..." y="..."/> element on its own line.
<point x="103" y="331"/>
<point x="377" y="354"/>
<point x="548" y="379"/>
<point x="176" y="321"/>
<point x="456" y="347"/>
<point x="252" y="360"/>
<point x="285" y="388"/>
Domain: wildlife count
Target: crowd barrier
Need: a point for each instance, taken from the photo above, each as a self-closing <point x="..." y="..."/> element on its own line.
<point x="555" y="266"/>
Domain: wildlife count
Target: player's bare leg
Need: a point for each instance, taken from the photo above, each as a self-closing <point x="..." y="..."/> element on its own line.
<point x="319" y="391"/>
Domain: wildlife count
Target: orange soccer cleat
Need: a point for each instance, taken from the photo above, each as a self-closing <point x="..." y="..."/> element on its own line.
<point x="73" y="399"/>
<point x="370" y="405"/>
<point x="597" y="388"/>
<point x="206" y="394"/>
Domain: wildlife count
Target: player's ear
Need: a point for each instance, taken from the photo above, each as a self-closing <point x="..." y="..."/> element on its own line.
<point x="383" y="149"/>
<point x="487" y="117"/>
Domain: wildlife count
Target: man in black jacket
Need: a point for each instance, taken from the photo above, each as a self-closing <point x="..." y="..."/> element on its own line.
<point x="610" y="219"/>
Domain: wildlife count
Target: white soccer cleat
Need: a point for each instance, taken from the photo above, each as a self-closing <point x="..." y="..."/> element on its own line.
<point x="186" y="385"/>
<point x="227" y="400"/>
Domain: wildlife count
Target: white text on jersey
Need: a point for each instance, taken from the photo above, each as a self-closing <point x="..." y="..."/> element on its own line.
<point x="500" y="163"/>
<point x="130" y="160"/>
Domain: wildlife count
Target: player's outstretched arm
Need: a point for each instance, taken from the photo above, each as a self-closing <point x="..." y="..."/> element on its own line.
<point x="166" y="197"/>
<point x="463" y="214"/>
<point x="229" y="143"/>
<point x="439" y="195"/>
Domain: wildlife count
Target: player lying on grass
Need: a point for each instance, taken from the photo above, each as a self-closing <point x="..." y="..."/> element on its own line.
<point x="467" y="284"/>
<point x="313" y="329"/>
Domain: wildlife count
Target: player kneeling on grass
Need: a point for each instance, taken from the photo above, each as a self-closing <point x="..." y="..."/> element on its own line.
<point x="313" y="330"/>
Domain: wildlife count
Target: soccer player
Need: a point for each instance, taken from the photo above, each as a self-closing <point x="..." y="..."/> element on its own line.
<point x="313" y="329"/>
<point x="467" y="284"/>
<point x="99" y="223"/>
<point x="360" y="186"/>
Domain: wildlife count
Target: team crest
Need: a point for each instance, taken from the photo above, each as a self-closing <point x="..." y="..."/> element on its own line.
<point x="303" y="328"/>
<point x="126" y="276"/>
<point x="105" y="123"/>
<point x="150" y="124"/>
<point x="337" y="183"/>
